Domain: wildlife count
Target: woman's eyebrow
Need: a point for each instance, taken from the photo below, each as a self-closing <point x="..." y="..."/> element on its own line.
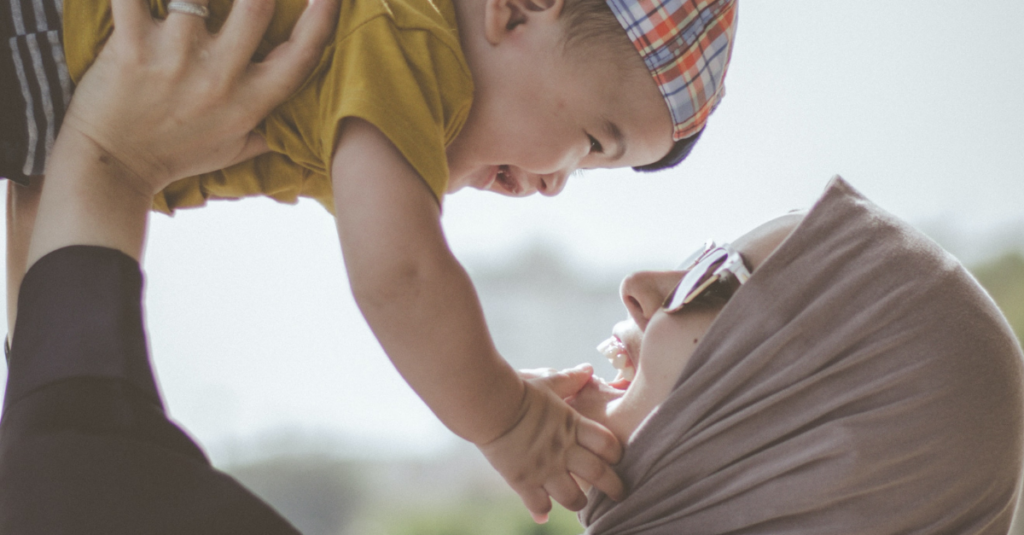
<point x="612" y="130"/>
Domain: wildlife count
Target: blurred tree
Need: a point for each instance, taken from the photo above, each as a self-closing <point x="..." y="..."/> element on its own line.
<point x="477" y="517"/>
<point x="1003" y="278"/>
<point x="319" y="496"/>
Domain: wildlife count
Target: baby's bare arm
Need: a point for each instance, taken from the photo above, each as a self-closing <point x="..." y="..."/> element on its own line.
<point x="422" y="306"/>
<point x="413" y="292"/>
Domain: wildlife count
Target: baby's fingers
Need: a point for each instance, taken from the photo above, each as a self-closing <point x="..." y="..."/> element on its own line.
<point x="592" y="469"/>
<point x="599" y="440"/>
<point x="567" y="383"/>
<point x="537" y="502"/>
<point x="565" y="491"/>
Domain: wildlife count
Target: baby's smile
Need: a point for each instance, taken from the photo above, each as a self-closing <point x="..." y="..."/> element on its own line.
<point x="505" y="181"/>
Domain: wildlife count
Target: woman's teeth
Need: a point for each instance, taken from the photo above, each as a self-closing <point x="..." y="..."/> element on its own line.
<point x="615" y="351"/>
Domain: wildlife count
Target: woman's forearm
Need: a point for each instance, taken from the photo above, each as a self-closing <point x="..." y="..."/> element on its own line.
<point x="90" y="198"/>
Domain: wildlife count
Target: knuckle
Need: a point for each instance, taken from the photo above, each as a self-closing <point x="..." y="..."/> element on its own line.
<point x="222" y="86"/>
<point x="558" y="443"/>
<point x="569" y="423"/>
<point x="519" y="478"/>
<point x="173" y="64"/>
<point x="134" y="56"/>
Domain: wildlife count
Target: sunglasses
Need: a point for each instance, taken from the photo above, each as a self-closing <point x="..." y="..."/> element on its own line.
<point x="718" y="267"/>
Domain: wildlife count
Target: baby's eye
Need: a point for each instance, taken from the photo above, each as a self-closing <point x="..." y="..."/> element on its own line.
<point x="595" y="145"/>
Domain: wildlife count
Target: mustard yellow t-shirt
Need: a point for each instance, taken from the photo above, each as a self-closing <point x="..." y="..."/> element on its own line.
<point x="397" y="64"/>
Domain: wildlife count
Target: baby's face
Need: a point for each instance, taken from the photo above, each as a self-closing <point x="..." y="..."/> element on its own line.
<point x="541" y="112"/>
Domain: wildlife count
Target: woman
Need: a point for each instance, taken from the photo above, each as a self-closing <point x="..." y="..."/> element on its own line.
<point x="859" y="382"/>
<point x="85" y="445"/>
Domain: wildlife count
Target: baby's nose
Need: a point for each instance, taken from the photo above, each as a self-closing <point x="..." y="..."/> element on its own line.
<point x="552" y="184"/>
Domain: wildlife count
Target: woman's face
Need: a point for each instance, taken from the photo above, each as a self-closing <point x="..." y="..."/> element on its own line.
<point x="659" y="344"/>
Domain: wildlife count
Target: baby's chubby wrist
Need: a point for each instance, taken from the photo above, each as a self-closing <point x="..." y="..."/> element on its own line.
<point x="506" y="423"/>
<point x="533" y="429"/>
<point x="549" y="443"/>
<point x="537" y="392"/>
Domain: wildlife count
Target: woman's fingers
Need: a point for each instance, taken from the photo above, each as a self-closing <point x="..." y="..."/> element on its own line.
<point x="592" y="469"/>
<point x="243" y="31"/>
<point x="181" y="101"/>
<point x="286" y="67"/>
<point x="185" y="20"/>
<point x="132" y="19"/>
<point x="255" y="145"/>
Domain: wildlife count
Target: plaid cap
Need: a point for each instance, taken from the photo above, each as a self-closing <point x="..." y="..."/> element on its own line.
<point x="686" y="45"/>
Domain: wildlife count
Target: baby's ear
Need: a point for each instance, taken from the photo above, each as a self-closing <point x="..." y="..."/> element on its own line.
<point x="502" y="17"/>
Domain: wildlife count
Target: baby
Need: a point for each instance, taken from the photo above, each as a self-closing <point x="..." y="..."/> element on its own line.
<point x="412" y="100"/>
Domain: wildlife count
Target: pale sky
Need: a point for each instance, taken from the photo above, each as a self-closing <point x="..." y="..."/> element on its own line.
<point x="917" y="103"/>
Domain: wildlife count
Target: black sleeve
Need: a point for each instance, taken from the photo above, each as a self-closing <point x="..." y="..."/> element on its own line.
<point x="85" y="444"/>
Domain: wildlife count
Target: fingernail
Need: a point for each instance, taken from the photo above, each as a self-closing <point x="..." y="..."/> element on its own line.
<point x="540" y="519"/>
<point x="585" y="366"/>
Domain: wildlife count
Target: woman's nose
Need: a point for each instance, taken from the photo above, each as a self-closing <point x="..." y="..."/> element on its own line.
<point x="552" y="184"/>
<point x="644" y="292"/>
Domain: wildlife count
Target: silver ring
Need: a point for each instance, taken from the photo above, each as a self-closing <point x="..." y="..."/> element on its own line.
<point x="188" y="8"/>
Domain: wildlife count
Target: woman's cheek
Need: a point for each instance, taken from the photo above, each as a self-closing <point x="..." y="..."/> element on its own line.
<point x="668" y="343"/>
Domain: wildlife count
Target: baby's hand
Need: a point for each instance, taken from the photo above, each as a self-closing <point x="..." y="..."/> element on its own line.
<point x="551" y="441"/>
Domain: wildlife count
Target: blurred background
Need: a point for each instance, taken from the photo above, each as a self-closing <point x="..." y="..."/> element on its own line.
<point x="262" y="355"/>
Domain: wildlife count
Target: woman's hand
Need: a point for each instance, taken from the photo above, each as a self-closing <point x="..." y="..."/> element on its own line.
<point x="166" y="99"/>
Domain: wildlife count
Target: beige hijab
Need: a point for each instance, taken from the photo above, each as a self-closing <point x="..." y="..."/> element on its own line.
<point x="860" y="383"/>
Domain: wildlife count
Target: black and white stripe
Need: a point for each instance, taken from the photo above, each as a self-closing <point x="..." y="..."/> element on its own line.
<point x="37" y="51"/>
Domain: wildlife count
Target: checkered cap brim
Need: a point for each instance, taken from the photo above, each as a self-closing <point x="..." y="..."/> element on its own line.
<point x="686" y="45"/>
